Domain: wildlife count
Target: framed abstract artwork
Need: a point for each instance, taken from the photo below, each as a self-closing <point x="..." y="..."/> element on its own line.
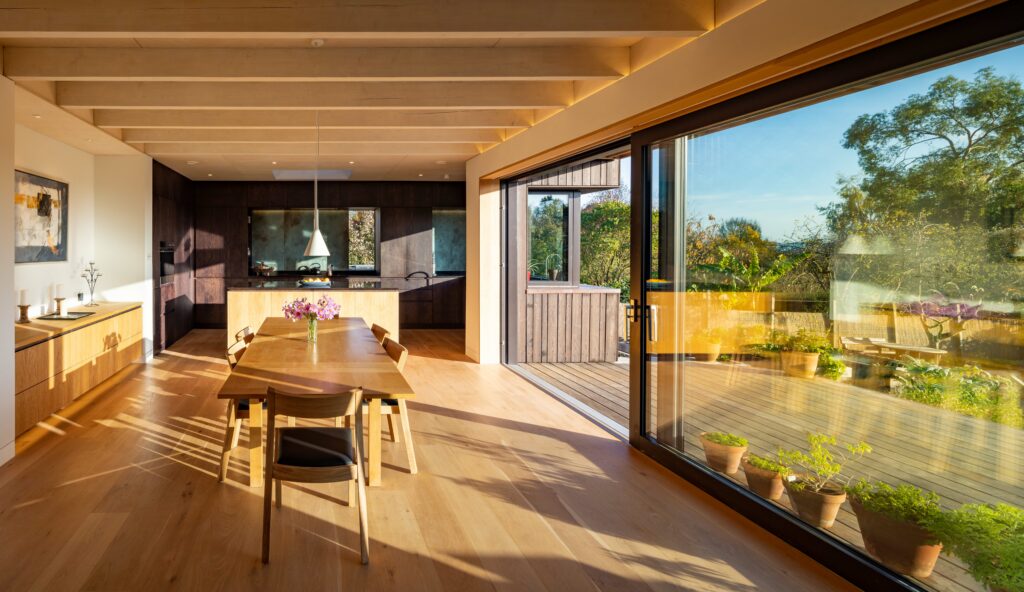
<point x="40" y="219"/>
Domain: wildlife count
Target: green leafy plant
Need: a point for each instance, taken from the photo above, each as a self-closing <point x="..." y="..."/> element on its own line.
<point x="989" y="539"/>
<point x="725" y="439"/>
<point x="767" y="464"/>
<point x="748" y="276"/>
<point x="822" y="462"/>
<point x="903" y="502"/>
<point x="965" y="389"/>
<point x="831" y="366"/>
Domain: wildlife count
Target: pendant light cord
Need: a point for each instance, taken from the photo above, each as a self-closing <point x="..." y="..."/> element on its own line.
<point x="316" y="174"/>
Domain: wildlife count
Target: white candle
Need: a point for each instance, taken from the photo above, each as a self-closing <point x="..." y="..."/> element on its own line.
<point x="58" y="291"/>
<point x="23" y="297"/>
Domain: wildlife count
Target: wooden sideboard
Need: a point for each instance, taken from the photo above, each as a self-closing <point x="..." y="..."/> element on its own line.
<point x="55" y="362"/>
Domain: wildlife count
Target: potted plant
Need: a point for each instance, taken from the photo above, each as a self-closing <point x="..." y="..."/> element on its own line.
<point x="814" y="490"/>
<point x="990" y="540"/>
<point x="895" y="523"/>
<point x="723" y="451"/>
<point x="765" y="476"/>
<point x="553" y="263"/>
<point x="800" y="353"/>
<point x="709" y="340"/>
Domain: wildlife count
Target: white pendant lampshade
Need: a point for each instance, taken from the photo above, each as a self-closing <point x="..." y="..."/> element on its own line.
<point x="316" y="247"/>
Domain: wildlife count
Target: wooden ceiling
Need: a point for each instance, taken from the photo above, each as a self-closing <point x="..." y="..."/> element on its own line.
<point x="405" y="89"/>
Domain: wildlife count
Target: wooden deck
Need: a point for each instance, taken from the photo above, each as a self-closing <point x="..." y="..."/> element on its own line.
<point x="961" y="458"/>
<point x="119" y="492"/>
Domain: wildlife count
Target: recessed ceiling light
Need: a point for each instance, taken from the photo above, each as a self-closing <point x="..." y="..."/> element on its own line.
<point x="421" y="174"/>
<point x="317" y="42"/>
<point x="273" y="162"/>
<point x="351" y="162"/>
<point x="209" y="174"/>
<point x="447" y="176"/>
<point x="191" y="162"/>
<point x="36" y="116"/>
<point x="442" y="162"/>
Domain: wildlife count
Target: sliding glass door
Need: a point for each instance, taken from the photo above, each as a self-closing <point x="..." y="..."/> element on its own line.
<point x="829" y="291"/>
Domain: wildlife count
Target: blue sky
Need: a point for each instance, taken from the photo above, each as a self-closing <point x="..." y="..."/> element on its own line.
<point x="778" y="169"/>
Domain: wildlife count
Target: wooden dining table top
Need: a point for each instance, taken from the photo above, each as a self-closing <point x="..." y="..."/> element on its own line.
<point x="346" y="356"/>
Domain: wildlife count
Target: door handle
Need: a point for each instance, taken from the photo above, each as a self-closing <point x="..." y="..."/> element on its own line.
<point x="652" y="322"/>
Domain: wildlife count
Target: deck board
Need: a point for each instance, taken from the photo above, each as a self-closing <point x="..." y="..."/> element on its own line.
<point x="963" y="459"/>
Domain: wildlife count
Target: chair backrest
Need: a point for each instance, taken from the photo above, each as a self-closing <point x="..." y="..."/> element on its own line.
<point x="397" y="351"/>
<point x="246" y="334"/>
<point x="380" y="333"/>
<point x="235" y="352"/>
<point x="314" y="405"/>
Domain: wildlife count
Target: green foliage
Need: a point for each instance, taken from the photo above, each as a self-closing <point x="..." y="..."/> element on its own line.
<point x="767" y="464"/>
<point x="989" y="539"/>
<point x="725" y="439"/>
<point x="831" y="367"/>
<point x="362" y="238"/>
<point x="731" y="273"/>
<point x="965" y="389"/>
<point x="547" y="220"/>
<point x="804" y="341"/>
<point x="605" y="244"/>
<point x="903" y="502"/>
<point x="822" y="462"/>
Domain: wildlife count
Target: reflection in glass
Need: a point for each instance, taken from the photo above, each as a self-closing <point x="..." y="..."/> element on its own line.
<point x="548" y="227"/>
<point x="837" y="287"/>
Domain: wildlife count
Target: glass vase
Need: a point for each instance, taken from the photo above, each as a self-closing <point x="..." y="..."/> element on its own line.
<point x="311" y="330"/>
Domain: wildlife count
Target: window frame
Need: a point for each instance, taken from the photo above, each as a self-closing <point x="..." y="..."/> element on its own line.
<point x="572" y="263"/>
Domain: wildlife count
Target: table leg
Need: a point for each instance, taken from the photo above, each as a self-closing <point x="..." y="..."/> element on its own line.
<point x="375" y="437"/>
<point x="255" y="442"/>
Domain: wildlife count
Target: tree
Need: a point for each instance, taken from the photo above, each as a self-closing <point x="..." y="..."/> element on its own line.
<point x="954" y="154"/>
<point x="362" y="242"/>
<point x="604" y="244"/>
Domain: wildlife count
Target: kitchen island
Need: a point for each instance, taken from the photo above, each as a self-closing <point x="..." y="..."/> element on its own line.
<point x="251" y="304"/>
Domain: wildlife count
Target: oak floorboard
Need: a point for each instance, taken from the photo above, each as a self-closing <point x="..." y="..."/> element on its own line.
<point x="515" y="492"/>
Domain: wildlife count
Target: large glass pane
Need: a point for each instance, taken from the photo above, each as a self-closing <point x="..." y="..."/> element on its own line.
<point x="279" y="239"/>
<point x="548" y="227"/>
<point x="449" y="240"/>
<point x="846" y="278"/>
<point x="362" y="239"/>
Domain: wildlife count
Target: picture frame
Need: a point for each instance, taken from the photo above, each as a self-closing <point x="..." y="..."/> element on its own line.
<point x="40" y="218"/>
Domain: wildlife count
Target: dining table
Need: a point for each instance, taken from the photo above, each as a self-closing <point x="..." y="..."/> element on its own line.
<point x="345" y="355"/>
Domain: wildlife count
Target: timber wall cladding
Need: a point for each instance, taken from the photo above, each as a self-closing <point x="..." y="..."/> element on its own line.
<point x="52" y="374"/>
<point x="571" y="325"/>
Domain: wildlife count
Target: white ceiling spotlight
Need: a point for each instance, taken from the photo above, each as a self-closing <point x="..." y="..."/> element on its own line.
<point x="316" y="247"/>
<point x="317" y="42"/>
<point x="191" y="162"/>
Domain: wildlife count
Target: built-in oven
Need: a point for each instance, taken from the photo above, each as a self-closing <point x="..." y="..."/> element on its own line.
<point x="166" y="263"/>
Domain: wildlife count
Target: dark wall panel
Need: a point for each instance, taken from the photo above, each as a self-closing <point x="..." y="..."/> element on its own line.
<point x="173" y="216"/>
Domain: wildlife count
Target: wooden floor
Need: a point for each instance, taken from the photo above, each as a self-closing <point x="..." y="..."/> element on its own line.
<point x="515" y="492"/>
<point x="963" y="459"/>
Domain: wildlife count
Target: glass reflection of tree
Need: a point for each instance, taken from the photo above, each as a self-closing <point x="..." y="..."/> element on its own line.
<point x="548" y="238"/>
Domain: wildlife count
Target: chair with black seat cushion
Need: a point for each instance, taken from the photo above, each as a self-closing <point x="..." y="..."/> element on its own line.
<point x="380" y="333"/>
<point x="315" y="454"/>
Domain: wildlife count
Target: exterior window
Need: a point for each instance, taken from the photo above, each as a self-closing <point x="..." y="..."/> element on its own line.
<point x="362" y="239"/>
<point x="548" y="220"/>
<point x="839" y="290"/>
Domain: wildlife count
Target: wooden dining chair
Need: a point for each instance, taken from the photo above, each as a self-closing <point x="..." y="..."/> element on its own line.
<point x="237" y="411"/>
<point x="380" y="333"/>
<point x="315" y="454"/>
<point x="245" y="334"/>
<point x="397" y="407"/>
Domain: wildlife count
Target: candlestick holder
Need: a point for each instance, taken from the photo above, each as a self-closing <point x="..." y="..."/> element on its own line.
<point x="60" y="306"/>
<point x="92" y="275"/>
<point x="24" y="314"/>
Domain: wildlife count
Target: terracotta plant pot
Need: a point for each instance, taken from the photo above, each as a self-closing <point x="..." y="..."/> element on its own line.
<point x="722" y="458"/>
<point x="767" y="484"/>
<point x="713" y="351"/>
<point x="817" y="508"/>
<point x="799" y="364"/>
<point x="903" y="546"/>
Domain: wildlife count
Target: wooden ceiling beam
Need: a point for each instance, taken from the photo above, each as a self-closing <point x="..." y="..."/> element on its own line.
<point x="347" y="119"/>
<point x="435" y="136"/>
<point x="282" y="19"/>
<point x="406" y="64"/>
<point x="354" y="149"/>
<point x="314" y="95"/>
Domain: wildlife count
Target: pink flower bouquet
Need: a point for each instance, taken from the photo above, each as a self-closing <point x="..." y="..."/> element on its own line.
<point x="324" y="309"/>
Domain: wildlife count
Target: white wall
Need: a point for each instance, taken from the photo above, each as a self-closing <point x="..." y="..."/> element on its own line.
<point x="7" y="301"/>
<point x="124" y="231"/>
<point x="39" y="154"/>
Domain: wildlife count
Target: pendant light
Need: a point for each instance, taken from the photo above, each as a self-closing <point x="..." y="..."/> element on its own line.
<point x="316" y="247"/>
